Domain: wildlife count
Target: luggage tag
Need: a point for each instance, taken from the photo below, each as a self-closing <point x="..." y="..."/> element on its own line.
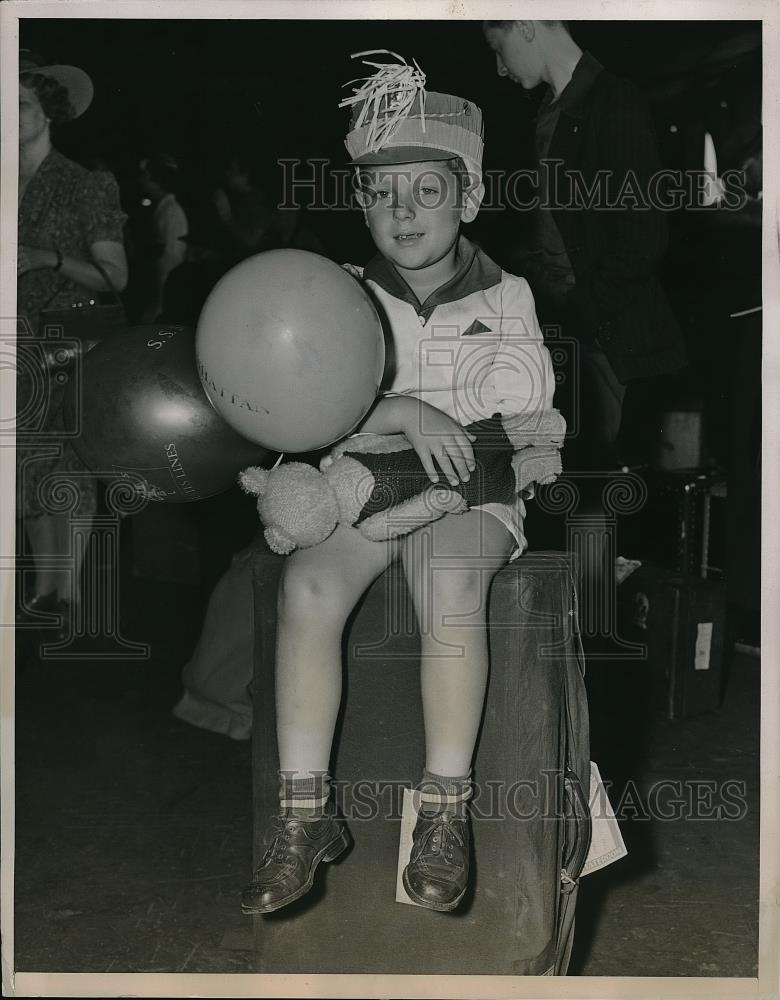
<point x="409" y="809"/>
<point x="606" y="845"/>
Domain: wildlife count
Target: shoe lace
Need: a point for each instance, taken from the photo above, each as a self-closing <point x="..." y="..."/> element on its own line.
<point x="443" y="840"/>
<point x="280" y="829"/>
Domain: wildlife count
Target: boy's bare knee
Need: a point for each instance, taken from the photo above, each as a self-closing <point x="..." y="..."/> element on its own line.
<point x="464" y="590"/>
<point x="305" y="593"/>
<point x="298" y="588"/>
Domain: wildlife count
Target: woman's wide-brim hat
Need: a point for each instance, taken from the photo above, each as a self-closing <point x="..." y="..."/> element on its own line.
<point x="74" y="80"/>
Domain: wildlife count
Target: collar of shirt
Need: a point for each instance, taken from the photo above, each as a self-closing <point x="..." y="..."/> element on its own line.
<point x="476" y="271"/>
<point x="573" y="94"/>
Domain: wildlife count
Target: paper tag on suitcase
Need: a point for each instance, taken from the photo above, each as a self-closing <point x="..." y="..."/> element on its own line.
<point x="606" y="844"/>
<point x="408" y="819"/>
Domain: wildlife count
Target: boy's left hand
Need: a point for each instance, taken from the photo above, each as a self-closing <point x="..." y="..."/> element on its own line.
<point x="440" y="440"/>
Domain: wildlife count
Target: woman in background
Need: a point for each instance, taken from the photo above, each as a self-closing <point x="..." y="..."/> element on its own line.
<point x="70" y="248"/>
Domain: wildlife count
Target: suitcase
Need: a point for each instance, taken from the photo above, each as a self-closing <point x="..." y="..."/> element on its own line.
<point x="682" y="620"/>
<point x="530" y="818"/>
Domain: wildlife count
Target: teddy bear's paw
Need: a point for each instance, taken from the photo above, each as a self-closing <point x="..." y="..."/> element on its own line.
<point x="254" y="480"/>
<point x="278" y="541"/>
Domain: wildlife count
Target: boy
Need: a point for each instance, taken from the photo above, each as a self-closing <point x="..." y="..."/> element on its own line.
<point x="465" y="345"/>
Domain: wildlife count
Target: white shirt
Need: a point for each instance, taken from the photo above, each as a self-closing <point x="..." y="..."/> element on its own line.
<point x="473" y="349"/>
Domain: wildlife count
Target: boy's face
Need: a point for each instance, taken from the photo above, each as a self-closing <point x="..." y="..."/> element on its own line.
<point x="413" y="211"/>
<point x="518" y="54"/>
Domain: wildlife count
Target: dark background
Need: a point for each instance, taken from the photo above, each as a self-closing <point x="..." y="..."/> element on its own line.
<point x="197" y="88"/>
<point x="188" y="85"/>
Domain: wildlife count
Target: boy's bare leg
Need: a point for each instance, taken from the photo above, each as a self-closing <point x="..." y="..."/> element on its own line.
<point x="319" y="588"/>
<point x="449" y="567"/>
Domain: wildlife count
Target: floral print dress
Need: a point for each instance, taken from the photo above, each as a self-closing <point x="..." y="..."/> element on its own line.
<point x="67" y="207"/>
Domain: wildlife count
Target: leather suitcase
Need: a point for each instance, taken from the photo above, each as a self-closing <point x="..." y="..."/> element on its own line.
<point x="530" y="820"/>
<point x="682" y="620"/>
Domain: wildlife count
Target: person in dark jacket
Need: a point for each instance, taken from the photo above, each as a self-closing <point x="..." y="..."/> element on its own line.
<point x="598" y="238"/>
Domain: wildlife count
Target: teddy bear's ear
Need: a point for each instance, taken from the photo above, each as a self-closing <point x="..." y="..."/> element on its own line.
<point x="278" y="541"/>
<point x="254" y="480"/>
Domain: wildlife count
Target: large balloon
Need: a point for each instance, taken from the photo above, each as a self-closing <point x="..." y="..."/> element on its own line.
<point x="290" y="350"/>
<point x="142" y="414"/>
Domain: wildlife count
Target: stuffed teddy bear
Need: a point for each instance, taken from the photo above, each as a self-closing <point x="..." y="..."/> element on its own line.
<point x="377" y="483"/>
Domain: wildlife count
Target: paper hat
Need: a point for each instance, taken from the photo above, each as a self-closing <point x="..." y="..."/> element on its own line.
<point x="394" y="117"/>
<point x="395" y="120"/>
<point x="74" y="80"/>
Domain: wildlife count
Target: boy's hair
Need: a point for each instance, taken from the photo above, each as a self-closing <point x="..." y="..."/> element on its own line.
<point x="465" y="179"/>
<point x="53" y="96"/>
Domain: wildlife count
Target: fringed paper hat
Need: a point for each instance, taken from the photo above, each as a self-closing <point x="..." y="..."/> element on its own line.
<point x="395" y="120"/>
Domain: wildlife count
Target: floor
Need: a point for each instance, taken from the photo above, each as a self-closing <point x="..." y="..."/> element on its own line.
<point x="133" y="835"/>
<point x="684" y="901"/>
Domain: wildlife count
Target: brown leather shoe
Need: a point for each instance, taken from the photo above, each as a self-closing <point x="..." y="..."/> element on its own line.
<point x="287" y="870"/>
<point x="438" y="871"/>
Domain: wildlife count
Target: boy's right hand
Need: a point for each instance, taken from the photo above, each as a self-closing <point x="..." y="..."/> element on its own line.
<point x="440" y="440"/>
